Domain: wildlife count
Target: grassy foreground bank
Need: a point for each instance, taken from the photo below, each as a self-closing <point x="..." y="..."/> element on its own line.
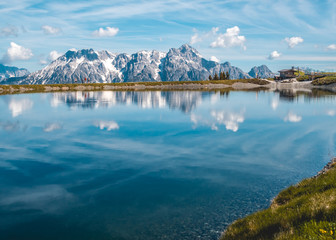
<point x="8" y="89"/>
<point x="306" y="211"/>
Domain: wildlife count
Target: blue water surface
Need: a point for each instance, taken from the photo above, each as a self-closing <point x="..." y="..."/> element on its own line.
<point x="153" y="165"/>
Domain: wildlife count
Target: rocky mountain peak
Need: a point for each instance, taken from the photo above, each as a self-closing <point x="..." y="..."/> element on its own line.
<point x="261" y="72"/>
<point x="7" y="72"/>
<point x="186" y="47"/>
<point x="227" y="64"/>
<point x="185" y="51"/>
<point x="88" y="54"/>
<point x="188" y="50"/>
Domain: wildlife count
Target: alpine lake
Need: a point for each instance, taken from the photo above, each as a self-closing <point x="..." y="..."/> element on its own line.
<point x="153" y="164"/>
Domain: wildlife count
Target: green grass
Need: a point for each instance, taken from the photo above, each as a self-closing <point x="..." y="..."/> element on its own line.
<point x="301" y="73"/>
<point x="319" y="78"/>
<point x="6" y="89"/>
<point x="303" y="78"/>
<point x="304" y="211"/>
<point x="329" y="79"/>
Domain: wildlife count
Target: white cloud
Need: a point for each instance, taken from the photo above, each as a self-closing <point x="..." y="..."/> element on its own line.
<point x="214" y="30"/>
<point x="18" y="106"/>
<point x="199" y="37"/>
<point x="292" y="117"/>
<point x="195" y="38"/>
<point x="108" y="32"/>
<point x="229" y="39"/>
<point x="17" y="52"/>
<point x="49" y="127"/>
<point x="109" y="125"/>
<point x="274" y="55"/>
<point x="213" y="58"/>
<point x="293" y="41"/>
<point x="332" y="47"/>
<point x="43" y="62"/>
<point x="9" y="31"/>
<point x="49" y="30"/>
<point x="53" y="55"/>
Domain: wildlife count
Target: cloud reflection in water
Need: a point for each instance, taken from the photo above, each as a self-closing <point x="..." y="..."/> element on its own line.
<point x="10" y="126"/>
<point x="331" y="112"/>
<point x="275" y="103"/>
<point x="184" y="101"/>
<point x="49" y="127"/>
<point x="18" y="106"/>
<point x="230" y="120"/>
<point x="108" y="125"/>
<point x="48" y="198"/>
<point x="292" y="117"/>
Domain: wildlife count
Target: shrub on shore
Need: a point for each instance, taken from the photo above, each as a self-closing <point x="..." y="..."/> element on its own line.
<point x="325" y="80"/>
<point x="303" y="78"/>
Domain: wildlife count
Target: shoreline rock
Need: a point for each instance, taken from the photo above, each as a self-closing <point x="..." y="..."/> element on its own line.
<point x="326" y="168"/>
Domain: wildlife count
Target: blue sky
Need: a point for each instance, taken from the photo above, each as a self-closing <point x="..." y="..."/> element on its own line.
<point x="277" y="33"/>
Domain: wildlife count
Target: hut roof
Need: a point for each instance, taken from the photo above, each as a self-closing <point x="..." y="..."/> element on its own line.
<point x="288" y="70"/>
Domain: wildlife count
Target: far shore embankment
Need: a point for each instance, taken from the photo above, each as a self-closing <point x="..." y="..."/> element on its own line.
<point x="242" y="84"/>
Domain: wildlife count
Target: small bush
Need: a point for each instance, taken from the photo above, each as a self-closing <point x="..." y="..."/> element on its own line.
<point x="303" y="78"/>
<point x="325" y="80"/>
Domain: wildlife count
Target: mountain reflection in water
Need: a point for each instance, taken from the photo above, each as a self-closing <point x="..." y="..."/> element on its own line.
<point x="185" y="101"/>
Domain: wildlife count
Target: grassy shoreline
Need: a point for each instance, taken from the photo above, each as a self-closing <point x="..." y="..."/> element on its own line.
<point x="304" y="211"/>
<point x="187" y="85"/>
<point x="206" y="85"/>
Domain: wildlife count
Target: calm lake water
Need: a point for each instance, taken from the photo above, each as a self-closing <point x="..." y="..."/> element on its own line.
<point x="153" y="165"/>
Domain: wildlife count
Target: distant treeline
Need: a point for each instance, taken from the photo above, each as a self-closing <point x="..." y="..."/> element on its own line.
<point x="222" y="76"/>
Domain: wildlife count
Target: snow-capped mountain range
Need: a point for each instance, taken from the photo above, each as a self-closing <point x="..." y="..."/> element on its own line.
<point x="9" y="72"/>
<point x="182" y="64"/>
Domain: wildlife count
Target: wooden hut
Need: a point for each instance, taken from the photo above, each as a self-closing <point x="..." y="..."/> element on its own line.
<point x="288" y="73"/>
